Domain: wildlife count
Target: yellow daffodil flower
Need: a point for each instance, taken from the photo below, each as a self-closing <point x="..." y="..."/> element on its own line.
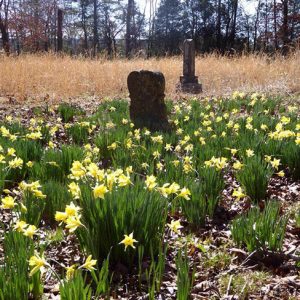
<point x="128" y="241"/>
<point x="113" y="146"/>
<point x="30" y="231"/>
<point x="29" y="164"/>
<point x="36" y="263"/>
<point x="72" y="210"/>
<point x="20" y="226"/>
<point x="61" y="216"/>
<point x="237" y="165"/>
<point x="70" y="271"/>
<point x="74" y="189"/>
<point x="99" y="191"/>
<point x="8" y="202"/>
<point x="150" y="182"/>
<point x="249" y="153"/>
<point x="124" y="180"/>
<point x="280" y="174"/>
<point x="89" y="264"/>
<point x="73" y="223"/>
<point x="175" y="226"/>
<point x="185" y="193"/>
<point x="16" y="163"/>
<point x="275" y="163"/>
<point x="77" y="171"/>
<point x="238" y="193"/>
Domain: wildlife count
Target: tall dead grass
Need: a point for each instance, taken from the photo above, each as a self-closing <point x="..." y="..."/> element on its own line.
<point x="65" y="77"/>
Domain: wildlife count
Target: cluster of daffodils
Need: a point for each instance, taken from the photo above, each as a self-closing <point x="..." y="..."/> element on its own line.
<point x="214" y="127"/>
<point x="16" y="163"/>
<point x="105" y="179"/>
<point x="87" y="126"/>
<point x="219" y="163"/>
<point x="175" y="226"/>
<point x="167" y="189"/>
<point x="88" y="265"/>
<point x="238" y="193"/>
<point x="27" y="229"/>
<point x="8" y="202"/>
<point x="10" y="159"/>
<point x="70" y="217"/>
<point x="7" y="134"/>
<point x="33" y="188"/>
<point x="281" y="133"/>
<point x="35" y="129"/>
<point x="275" y="163"/>
<point x="38" y="263"/>
<point x="238" y="95"/>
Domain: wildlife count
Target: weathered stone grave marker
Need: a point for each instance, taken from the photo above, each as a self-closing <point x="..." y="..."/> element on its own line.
<point x="147" y="106"/>
<point x="189" y="82"/>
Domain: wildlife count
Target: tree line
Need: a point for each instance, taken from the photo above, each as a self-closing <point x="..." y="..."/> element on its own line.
<point x="123" y="28"/>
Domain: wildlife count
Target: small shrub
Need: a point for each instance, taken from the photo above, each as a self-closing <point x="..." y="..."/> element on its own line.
<point x="260" y="230"/>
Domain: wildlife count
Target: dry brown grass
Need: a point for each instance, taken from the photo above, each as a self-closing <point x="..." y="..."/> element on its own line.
<point x="65" y="77"/>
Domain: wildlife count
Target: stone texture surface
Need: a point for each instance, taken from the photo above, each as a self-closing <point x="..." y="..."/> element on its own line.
<point x="147" y="106"/>
<point x="189" y="82"/>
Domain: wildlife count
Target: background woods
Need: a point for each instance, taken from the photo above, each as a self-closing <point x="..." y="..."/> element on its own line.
<point x="150" y="27"/>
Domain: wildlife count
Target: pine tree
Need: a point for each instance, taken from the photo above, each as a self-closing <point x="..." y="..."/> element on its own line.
<point x="168" y="27"/>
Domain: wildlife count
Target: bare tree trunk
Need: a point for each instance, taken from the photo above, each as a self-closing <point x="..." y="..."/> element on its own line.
<point x="5" y="38"/>
<point x="129" y="16"/>
<point x="285" y="28"/>
<point x="275" y="25"/>
<point x="83" y="24"/>
<point x="95" y="29"/>
<point x="4" y="5"/>
<point x="59" y="30"/>
<point x="228" y="21"/>
<point x="248" y="34"/>
<point x="36" y="25"/>
<point x="256" y="27"/>
<point x="292" y="28"/>
<point x="219" y="26"/>
<point x="233" y="28"/>
<point x="266" y="25"/>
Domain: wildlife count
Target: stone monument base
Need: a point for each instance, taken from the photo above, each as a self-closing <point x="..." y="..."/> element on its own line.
<point x="189" y="85"/>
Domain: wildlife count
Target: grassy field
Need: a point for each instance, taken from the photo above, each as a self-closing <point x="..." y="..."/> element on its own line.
<point x="37" y="76"/>
<point x="93" y="208"/>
